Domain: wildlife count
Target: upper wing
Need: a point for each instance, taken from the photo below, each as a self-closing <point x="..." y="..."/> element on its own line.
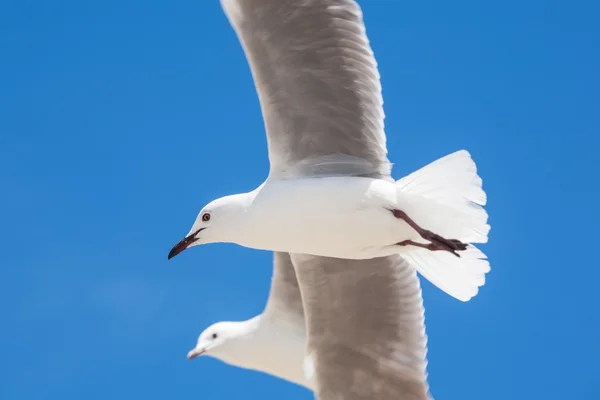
<point x="284" y="298"/>
<point x="366" y="333"/>
<point x="317" y="82"/>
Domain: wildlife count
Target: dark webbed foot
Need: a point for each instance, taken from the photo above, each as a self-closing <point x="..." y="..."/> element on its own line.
<point x="451" y="244"/>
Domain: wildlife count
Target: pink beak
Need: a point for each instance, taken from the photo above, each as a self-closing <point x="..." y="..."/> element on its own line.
<point x="194" y="353"/>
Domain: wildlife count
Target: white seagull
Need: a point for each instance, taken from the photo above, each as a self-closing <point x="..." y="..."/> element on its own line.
<point x="365" y="327"/>
<point x="329" y="191"/>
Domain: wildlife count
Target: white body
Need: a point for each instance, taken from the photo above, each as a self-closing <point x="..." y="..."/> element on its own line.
<point x="272" y="346"/>
<point x="342" y="217"/>
<point x="347" y="217"/>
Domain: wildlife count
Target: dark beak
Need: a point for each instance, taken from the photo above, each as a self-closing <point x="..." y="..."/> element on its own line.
<point x="181" y="246"/>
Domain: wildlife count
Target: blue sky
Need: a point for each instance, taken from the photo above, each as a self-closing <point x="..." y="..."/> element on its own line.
<point x="120" y="119"/>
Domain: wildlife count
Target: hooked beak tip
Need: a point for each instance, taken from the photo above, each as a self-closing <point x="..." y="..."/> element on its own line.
<point x="194" y="353"/>
<point x="174" y="251"/>
<point x="182" y="245"/>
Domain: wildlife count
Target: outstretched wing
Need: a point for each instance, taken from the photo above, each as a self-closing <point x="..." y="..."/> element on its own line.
<point x="284" y="300"/>
<point x="317" y="81"/>
<point x="365" y="328"/>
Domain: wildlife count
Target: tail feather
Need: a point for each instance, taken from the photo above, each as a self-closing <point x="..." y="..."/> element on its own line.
<point x="460" y="277"/>
<point x="452" y="180"/>
<point x="447" y="198"/>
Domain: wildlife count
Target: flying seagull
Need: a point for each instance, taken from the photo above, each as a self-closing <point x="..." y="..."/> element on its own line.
<point x="365" y="327"/>
<point x="329" y="191"/>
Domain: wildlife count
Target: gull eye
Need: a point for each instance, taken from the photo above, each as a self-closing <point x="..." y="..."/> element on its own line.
<point x="214" y="335"/>
<point x="206" y="217"/>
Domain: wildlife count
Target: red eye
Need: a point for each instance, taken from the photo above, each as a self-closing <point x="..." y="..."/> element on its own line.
<point x="206" y="217"/>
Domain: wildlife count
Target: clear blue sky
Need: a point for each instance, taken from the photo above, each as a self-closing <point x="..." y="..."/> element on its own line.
<point x="120" y="119"/>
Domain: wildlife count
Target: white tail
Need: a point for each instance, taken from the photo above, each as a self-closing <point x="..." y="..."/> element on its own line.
<point x="446" y="197"/>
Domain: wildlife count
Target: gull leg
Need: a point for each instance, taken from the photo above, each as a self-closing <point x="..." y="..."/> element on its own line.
<point x="437" y="242"/>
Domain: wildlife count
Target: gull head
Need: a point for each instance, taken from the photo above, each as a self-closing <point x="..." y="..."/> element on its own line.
<point x="218" y="221"/>
<point x="221" y="340"/>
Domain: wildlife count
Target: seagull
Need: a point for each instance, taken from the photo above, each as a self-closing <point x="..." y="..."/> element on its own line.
<point x="329" y="191"/>
<point x="364" y="320"/>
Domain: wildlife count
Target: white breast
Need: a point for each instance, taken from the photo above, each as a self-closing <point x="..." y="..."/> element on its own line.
<point x="275" y="347"/>
<point x="337" y="217"/>
<point x="285" y="346"/>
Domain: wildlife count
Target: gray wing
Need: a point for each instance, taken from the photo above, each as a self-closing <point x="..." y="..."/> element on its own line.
<point x="366" y="331"/>
<point x="284" y="300"/>
<point x="317" y="81"/>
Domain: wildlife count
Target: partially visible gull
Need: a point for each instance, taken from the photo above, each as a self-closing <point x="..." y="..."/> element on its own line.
<point x="368" y="342"/>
